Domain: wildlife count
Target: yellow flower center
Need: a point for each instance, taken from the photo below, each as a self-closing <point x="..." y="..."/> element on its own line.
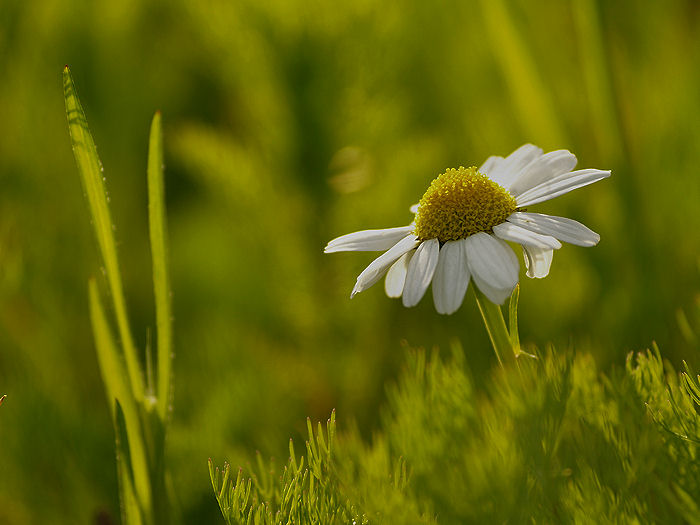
<point x="460" y="203"/>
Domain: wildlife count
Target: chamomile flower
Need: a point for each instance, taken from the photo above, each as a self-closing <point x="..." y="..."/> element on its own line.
<point x="461" y="226"/>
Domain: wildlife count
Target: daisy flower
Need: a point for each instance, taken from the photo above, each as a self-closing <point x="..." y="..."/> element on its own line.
<point x="461" y="226"/>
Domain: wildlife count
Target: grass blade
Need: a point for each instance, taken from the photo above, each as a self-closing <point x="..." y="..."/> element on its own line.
<point x="114" y="375"/>
<point x="90" y="169"/>
<point x="159" y="254"/>
<point x="130" y="511"/>
<point x="119" y="394"/>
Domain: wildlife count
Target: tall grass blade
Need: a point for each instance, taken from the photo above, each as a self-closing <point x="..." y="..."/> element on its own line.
<point x="90" y="169"/>
<point x="114" y="375"/>
<point x="159" y="254"/>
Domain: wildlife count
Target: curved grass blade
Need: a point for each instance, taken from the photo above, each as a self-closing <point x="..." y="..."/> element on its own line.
<point x="90" y="169"/>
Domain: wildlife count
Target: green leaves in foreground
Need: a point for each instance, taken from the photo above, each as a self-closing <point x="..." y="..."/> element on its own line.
<point x="306" y="492"/>
<point x="550" y="441"/>
<point x="139" y="407"/>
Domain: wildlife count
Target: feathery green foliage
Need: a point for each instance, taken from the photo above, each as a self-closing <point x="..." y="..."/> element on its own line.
<point x="308" y="490"/>
<point x="552" y="441"/>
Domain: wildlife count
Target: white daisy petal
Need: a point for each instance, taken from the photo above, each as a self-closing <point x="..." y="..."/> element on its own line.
<point x="564" y="229"/>
<point x="489" y="164"/>
<point x="420" y="271"/>
<point x="545" y="168"/>
<point x="559" y="185"/>
<point x="413" y="209"/>
<point x="493" y="265"/>
<point x="368" y="240"/>
<point x="451" y="277"/>
<point x="376" y="269"/>
<point x="537" y="261"/>
<point x="504" y="173"/>
<point x="396" y="276"/>
<point x="514" y="233"/>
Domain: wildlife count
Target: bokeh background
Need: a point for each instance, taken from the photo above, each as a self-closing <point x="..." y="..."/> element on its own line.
<point x="289" y="123"/>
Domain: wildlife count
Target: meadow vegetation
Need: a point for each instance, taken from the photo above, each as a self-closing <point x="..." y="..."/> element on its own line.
<point x="286" y="124"/>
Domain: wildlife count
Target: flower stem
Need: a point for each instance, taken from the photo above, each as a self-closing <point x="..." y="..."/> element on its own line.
<point x="496" y="328"/>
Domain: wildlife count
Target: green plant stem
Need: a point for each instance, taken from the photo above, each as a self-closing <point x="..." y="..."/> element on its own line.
<point x="496" y="328"/>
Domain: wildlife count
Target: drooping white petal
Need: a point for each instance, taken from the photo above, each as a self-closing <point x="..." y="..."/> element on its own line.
<point x="396" y="276"/>
<point x="489" y="164"/>
<point x="564" y="229"/>
<point x="505" y="172"/>
<point x="559" y="185"/>
<point x="541" y="170"/>
<point x="451" y="277"/>
<point x="368" y="240"/>
<point x="414" y="209"/>
<point x="537" y="261"/>
<point x="493" y="265"/>
<point x="420" y="271"/>
<point x="514" y="233"/>
<point x="376" y="269"/>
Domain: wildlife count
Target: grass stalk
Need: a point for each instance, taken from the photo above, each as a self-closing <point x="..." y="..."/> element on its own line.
<point x="159" y="255"/>
<point x="91" y="174"/>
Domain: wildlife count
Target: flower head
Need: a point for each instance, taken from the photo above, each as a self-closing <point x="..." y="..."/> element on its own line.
<point x="462" y="224"/>
<point x="460" y="203"/>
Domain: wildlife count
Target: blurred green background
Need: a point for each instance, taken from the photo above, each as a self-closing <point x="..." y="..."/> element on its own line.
<point x="287" y="124"/>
